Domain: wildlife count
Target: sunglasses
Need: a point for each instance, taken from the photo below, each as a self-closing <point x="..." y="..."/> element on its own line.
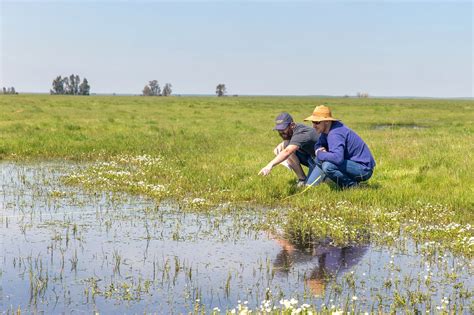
<point x="316" y="122"/>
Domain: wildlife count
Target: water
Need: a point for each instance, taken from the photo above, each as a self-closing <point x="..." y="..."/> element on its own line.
<point x="64" y="250"/>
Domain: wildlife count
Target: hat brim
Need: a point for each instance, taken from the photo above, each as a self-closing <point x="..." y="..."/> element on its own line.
<point x="281" y="127"/>
<point x="315" y="118"/>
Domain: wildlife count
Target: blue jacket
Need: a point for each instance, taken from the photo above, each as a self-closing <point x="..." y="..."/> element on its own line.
<point x="342" y="144"/>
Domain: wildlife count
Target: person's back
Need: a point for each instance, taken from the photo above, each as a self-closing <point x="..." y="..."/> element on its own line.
<point x="354" y="148"/>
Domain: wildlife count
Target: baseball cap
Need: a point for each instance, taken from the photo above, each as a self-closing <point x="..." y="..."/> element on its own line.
<point x="283" y="121"/>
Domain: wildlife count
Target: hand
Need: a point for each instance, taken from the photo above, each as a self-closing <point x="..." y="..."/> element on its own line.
<point x="320" y="149"/>
<point x="265" y="171"/>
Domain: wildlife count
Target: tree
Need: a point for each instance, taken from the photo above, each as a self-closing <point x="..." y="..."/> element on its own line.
<point x="152" y="89"/>
<point x="167" y="89"/>
<point x="58" y="86"/>
<point x="84" y="88"/>
<point x="155" y="88"/>
<point x="72" y="84"/>
<point x="67" y="85"/>
<point x="75" y="85"/>
<point x="221" y="90"/>
<point x="146" y="91"/>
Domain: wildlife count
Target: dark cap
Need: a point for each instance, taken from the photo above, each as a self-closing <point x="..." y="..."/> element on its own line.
<point x="283" y="121"/>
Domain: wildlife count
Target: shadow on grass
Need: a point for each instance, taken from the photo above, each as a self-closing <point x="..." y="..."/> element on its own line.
<point x="362" y="186"/>
<point x="293" y="189"/>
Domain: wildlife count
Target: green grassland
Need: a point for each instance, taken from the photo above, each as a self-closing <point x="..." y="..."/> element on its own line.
<point x="213" y="149"/>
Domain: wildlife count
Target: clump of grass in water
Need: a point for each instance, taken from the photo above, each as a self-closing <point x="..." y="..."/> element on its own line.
<point x="136" y="174"/>
<point x="338" y="222"/>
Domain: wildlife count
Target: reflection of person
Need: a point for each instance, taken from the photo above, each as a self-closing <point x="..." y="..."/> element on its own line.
<point x="297" y="148"/>
<point x="330" y="261"/>
<point x="341" y="154"/>
<point x="318" y="277"/>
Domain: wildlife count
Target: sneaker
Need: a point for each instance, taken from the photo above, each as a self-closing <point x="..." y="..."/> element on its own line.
<point x="301" y="183"/>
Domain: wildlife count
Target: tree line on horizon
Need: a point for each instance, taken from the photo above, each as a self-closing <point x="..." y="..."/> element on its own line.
<point x="153" y="89"/>
<point x="362" y="94"/>
<point x="10" y="90"/>
<point x="70" y="86"/>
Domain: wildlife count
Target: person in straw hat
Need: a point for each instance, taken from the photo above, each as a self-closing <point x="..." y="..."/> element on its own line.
<point x="297" y="148"/>
<point x="341" y="154"/>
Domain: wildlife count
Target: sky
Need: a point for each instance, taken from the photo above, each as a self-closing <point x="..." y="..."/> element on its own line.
<point x="384" y="48"/>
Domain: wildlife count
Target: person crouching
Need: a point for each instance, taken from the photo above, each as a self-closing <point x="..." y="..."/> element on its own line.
<point x="341" y="155"/>
<point x="296" y="149"/>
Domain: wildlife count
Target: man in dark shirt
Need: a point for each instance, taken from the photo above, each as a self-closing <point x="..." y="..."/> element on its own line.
<point x="297" y="148"/>
<point x="341" y="154"/>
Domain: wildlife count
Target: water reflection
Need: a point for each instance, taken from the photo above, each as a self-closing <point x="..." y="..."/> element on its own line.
<point x="325" y="261"/>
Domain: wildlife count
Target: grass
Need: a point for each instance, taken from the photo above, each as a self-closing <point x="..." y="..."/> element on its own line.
<point x="211" y="149"/>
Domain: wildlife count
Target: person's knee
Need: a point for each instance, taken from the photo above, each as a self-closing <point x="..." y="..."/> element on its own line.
<point x="366" y="176"/>
<point x="328" y="167"/>
<point x="280" y="147"/>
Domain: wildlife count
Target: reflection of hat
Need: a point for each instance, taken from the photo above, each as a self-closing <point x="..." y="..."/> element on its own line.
<point x="283" y="121"/>
<point x="316" y="286"/>
<point x="321" y="113"/>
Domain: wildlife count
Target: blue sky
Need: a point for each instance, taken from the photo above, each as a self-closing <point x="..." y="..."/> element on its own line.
<point x="395" y="48"/>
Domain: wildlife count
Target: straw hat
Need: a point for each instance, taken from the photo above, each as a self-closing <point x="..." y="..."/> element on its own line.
<point x="321" y="113"/>
<point x="317" y="286"/>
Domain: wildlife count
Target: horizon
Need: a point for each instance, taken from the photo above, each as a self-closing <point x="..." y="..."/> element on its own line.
<point x="261" y="95"/>
<point x="254" y="48"/>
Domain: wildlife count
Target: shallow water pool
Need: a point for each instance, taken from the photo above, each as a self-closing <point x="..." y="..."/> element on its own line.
<point x="65" y="250"/>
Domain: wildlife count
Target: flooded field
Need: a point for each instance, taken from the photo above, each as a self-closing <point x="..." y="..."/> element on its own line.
<point x="64" y="249"/>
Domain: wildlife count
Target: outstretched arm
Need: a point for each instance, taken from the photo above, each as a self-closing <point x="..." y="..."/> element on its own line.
<point x="282" y="156"/>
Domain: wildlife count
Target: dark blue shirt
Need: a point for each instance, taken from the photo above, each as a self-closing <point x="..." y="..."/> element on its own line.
<point x="342" y="144"/>
<point x="305" y="138"/>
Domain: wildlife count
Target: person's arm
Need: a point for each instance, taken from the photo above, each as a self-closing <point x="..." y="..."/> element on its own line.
<point x="282" y="156"/>
<point x="321" y="143"/>
<point x="337" y="144"/>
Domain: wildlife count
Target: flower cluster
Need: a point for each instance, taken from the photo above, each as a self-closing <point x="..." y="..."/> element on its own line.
<point x="123" y="173"/>
<point x="346" y="224"/>
<point x="287" y="307"/>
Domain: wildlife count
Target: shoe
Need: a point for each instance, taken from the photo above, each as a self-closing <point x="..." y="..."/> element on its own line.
<point x="301" y="183"/>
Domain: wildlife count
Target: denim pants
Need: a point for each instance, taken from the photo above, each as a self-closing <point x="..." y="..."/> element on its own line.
<point x="348" y="174"/>
<point x="310" y="162"/>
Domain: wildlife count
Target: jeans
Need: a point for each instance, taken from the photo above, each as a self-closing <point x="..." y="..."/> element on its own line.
<point x="348" y="174"/>
<point x="313" y="170"/>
